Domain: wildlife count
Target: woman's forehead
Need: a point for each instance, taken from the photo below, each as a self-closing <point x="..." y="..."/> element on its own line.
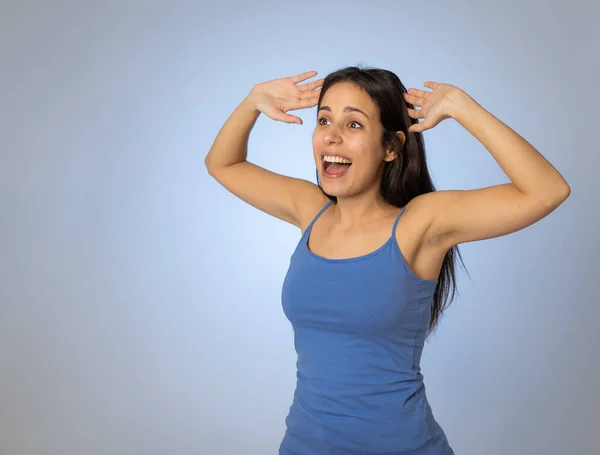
<point x="344" y="94"/>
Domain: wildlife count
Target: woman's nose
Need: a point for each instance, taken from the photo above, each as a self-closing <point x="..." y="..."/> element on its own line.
<point x="332" y="136"/>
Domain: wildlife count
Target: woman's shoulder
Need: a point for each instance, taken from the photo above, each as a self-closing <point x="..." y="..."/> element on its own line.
<point x="310" y="206"/>
<point x="419" y="215"/>
<point x="422" y="205"/>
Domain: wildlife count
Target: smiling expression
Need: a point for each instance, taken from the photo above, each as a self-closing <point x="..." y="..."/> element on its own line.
<point x="349" y="131"/>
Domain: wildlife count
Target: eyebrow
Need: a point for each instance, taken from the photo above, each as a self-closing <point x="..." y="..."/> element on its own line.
<point x="346" y="109"/>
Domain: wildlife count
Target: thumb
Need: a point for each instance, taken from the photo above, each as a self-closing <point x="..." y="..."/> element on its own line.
<point x="417" y="127"/>
<point x="280" y="116"/>
<point x="290" y="119"/>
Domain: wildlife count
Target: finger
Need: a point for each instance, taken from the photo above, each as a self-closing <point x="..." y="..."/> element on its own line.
<point x="414" y="100"/>
<point x="311" y="85"/>
<point x="308" y="102"/>
<point x="310" y="94"/>
<point x="293" y="119"/>
<point x="283" y="116"/>
<point x="302" y="104"/>
<point x="303" y="76"/>
<point x="417" y="128"/>
<point x="430" y="84"/>
<point x="417" y="92"/>
<point x="287" y="118"/>
<point x="416" y="114"/>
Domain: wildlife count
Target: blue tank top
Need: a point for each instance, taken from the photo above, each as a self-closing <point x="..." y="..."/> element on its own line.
<point x="359" y="329"/>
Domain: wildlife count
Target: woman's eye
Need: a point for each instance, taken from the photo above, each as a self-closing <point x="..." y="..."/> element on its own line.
<point x="353" y="122"/>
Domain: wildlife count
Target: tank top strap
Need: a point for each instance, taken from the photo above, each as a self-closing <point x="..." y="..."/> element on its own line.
<point x="396" y="222"/>
<point x="309" y="227"/>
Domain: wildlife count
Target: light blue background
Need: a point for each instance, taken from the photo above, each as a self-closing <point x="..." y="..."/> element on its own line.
<point x="140" y="301"/>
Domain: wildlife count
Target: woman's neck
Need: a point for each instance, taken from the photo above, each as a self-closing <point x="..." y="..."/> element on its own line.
<point x="360" y="209"/>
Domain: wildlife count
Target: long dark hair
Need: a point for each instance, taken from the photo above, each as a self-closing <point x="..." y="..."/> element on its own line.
<point x="407" y="176"/>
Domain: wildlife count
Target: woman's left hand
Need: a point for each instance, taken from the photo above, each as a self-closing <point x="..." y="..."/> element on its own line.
<point x="434" y="106"/>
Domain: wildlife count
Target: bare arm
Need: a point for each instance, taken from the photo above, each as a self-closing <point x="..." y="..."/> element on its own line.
<point x="536" y="187"/>
<point x="287" y="198"/>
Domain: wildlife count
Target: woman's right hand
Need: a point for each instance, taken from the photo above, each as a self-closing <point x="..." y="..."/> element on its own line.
<point x="275" y="98"/>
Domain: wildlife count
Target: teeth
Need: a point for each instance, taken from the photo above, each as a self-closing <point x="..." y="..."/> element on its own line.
<point x="336" y="159"/>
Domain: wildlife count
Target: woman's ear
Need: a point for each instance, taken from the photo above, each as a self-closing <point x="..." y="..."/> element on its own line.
<point x="402" y="137"/>
<point x="391" y="153"/>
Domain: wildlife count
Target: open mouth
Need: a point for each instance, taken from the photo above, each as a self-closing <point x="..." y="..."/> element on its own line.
<point x="335" y="166"/>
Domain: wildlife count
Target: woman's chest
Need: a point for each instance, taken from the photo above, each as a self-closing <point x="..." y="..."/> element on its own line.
<point x="371" y="294"/>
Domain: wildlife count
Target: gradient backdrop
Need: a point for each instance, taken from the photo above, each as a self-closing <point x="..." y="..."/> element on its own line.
<point x="140" y="303"/>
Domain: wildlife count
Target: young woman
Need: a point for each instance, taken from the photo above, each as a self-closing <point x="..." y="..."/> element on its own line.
<point x="375" y="264"/>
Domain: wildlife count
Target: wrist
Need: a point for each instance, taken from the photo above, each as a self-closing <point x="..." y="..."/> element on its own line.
<point x="249" y="103"/>
<point x="461" y="105"/>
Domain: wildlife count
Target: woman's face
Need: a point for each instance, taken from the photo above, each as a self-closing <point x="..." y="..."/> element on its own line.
<point x="347" y="141"/>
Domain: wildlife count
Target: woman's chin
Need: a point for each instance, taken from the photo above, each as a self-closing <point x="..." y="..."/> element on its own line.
<point x="333" y="189"/>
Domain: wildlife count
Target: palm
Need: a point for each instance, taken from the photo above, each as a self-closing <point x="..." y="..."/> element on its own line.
<point x="433" y="105"/>
<point x="279" y="96"/>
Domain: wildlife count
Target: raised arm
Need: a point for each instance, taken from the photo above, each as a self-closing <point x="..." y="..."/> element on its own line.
<point x="290" y="199"/>
<point x="535" y="190"/>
